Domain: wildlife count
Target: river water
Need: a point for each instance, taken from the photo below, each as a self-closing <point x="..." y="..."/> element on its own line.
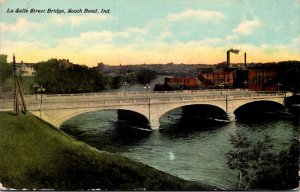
<point x="191" y="150"/>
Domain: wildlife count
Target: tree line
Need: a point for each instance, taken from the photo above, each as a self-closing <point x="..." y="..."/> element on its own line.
<point x="56" y="78"/>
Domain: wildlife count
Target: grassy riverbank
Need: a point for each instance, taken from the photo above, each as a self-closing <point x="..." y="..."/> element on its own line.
<point x="33" y="154"/>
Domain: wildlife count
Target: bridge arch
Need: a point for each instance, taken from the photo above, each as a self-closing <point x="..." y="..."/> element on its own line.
<point x="58" y="117"/>
<point x="140" y="118"/>
<point x="256" y="107"/>
<point x="66" y="118"/>
<point x="190" y="105"/>
<point x="173" y="106"/>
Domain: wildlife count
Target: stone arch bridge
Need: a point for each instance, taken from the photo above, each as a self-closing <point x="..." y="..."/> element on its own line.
<point x="57" y="108"/>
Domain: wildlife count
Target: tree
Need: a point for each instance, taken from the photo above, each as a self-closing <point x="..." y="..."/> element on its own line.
<point x="72" y="79"/>
<point x="5" y="71"/>
<point x="237" y="158"/>
<point x="144" y="76"/>
<point x="248" y="158"/>
<point x="116" y="82"/>
<point x="283" y="173"/>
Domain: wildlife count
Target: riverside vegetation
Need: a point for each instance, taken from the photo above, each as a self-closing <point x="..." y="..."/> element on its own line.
<point x="36" y="155"/>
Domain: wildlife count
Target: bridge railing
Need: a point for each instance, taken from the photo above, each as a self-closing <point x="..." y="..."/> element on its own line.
<point x="107" y="102"/>
<point x="82" y="100"/>
<point x="164" y="96"/>
<point x="144" y="93"/>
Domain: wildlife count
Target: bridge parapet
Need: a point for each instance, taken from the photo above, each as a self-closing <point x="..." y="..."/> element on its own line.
<point x="57" y="108"/>
<point x="155" y="96"/>
<point x="144" y="94"/>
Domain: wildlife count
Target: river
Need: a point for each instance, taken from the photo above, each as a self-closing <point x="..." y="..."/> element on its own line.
<point x="189" y="150"/>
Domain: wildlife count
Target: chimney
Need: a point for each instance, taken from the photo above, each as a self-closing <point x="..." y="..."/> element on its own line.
<point x="245" y="57"/>
<point x="228" y="59"/>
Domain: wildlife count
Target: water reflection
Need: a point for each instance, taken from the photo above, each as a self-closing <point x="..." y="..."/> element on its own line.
<point x="104" y="131"/>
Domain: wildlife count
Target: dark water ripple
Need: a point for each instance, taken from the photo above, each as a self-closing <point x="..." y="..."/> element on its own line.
<point x="190" y="150"/>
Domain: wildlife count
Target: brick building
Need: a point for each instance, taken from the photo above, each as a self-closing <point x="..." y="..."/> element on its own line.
<point x="263" y="79"/>
<point x="182" y="82"/>
<point x="218" y="78"/>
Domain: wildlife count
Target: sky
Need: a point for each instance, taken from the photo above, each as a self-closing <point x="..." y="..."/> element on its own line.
<point x="151" y="32"/>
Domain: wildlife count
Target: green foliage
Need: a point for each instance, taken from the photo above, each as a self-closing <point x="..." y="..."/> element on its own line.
<point x="282" y="172"/>
<point x="101" y="81"/>
<point x="5" y="71"/>
<point x="116" y="82"/>
<point x="145" y="76"/>
<point x="258" y="167"/>
<point x="73" y="79"/>
<point x="238" y="157"/>
<point x="26" y="84"/>
<point x="289" y="75"/>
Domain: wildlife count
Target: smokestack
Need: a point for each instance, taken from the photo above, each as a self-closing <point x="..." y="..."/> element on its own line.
<point x="236" y="51"/>
<point x="245" y="57"/>
<point x="228" y="59"/>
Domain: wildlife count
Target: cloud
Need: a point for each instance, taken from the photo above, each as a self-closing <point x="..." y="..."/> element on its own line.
<point x="22" y="25"/>
<point x="76" y="21"/>
<point x="131" y="31"/>
<point x="58" y="20"/>
<point x="231" y="37"/>
<point x="96" y="37"/>
<point x="217" y="42"/>
<point x="247" y="27"/>
<point x="164" y="34"/>
<point x="296" y="40"/>
<point x="200" y="15"/>
<point x="295" y="44"/>
<point x="210" y="41"/>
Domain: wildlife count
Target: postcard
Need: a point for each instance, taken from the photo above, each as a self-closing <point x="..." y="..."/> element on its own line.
<point x="195" y="95"/>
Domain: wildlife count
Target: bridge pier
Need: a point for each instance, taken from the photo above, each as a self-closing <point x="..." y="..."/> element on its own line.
<point x="154" y="124"/>
<point x="231" y="116"/>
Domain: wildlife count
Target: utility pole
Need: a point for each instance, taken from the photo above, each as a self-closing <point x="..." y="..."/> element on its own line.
<point x="16" y="98"/>
<point x="245" y="61"/>
<point x="125" y="84"/>
<point x="278" y="85"/>
<point x="245" y="83"/>
<point x="18" y="90"/>
<point x="36" y="87"/>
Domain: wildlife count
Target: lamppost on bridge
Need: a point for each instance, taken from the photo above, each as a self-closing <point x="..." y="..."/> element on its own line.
<point x="125" y="84"/>
<point x="36" y="86"/>
<point x="245" y="83"/>
<point x="278" y="85"/>
<point x="222" y="85"/>
<point x="147" y="87"/>
<point x="41" y="89"/>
